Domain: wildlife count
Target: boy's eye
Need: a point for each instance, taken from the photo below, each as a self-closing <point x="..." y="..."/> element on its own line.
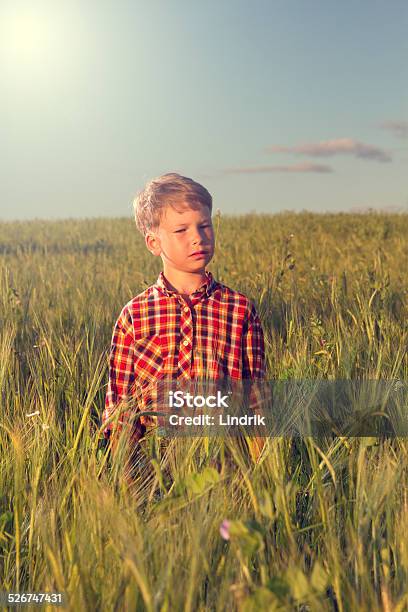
<point x="184" y="229"/>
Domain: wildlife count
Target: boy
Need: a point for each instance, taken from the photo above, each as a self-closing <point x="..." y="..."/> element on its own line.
<point x="187" y="324"/>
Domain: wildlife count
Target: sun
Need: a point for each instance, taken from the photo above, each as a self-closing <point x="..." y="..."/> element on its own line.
<point x="28" y="38"/>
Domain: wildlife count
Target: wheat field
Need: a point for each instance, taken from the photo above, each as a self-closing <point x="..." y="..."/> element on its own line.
<point x="312" y="525"/>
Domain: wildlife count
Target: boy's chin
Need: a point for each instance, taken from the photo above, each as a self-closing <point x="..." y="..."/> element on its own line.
<point x="197" y="264"/>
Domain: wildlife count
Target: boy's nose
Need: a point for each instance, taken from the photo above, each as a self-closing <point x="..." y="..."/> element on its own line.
<point x="197" y="237"/>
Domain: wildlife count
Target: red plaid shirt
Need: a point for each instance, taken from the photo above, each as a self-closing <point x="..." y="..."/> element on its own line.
<point x="158" y="334"/>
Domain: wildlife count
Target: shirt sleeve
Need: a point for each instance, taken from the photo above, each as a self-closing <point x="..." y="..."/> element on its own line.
<point x="253" y="347"/>
<point x="254" y="365"/>
<point x="121" y="370"/>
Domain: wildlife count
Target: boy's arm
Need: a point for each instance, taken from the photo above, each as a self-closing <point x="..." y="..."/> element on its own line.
<point x="121" y="377"/>
<point x="253" y="358"/>
<point x="253" y="349"/>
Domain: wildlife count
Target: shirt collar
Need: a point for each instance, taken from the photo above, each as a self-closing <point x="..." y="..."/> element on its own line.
<point x="206" y="288"/>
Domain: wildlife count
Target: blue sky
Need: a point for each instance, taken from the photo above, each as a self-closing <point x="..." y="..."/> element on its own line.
<point x="272" y="105"/>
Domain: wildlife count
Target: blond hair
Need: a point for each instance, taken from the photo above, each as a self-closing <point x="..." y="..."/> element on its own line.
<point x="165" y="190"/>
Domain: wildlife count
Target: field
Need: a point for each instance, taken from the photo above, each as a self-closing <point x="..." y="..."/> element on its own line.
<point x="313" y="525"/>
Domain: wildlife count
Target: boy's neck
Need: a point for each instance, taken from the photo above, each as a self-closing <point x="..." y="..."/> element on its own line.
<point x="185" y="283"/>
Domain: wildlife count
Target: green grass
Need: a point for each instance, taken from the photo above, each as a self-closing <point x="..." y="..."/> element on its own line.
<point x="314" y="523"/>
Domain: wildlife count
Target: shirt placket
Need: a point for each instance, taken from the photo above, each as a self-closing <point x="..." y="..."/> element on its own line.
<point x="186" y="341"/>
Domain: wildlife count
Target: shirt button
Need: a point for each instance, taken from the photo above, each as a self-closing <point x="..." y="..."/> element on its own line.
<point x="185" y="342"/>
<point x="186" y="309"/>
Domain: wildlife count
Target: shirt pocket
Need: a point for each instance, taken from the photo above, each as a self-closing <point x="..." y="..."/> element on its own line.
<point x="148" y="366"/>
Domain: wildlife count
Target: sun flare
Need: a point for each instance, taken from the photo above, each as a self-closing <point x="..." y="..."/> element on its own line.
<point x="28" y="38"/>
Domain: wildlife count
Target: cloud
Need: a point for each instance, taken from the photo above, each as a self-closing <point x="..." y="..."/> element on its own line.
<point x="306" y="167"/>
<point x="398" y="128"/>
<point x="340" y="146"/>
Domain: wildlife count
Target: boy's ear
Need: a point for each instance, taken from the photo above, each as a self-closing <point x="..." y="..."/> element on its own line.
<point x="153" y="243"/>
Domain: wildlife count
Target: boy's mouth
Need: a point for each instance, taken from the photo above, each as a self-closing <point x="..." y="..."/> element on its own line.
<point x="199" y="254"/>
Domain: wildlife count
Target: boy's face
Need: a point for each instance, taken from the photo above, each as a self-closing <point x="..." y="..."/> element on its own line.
<point x="182" y="233"/>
